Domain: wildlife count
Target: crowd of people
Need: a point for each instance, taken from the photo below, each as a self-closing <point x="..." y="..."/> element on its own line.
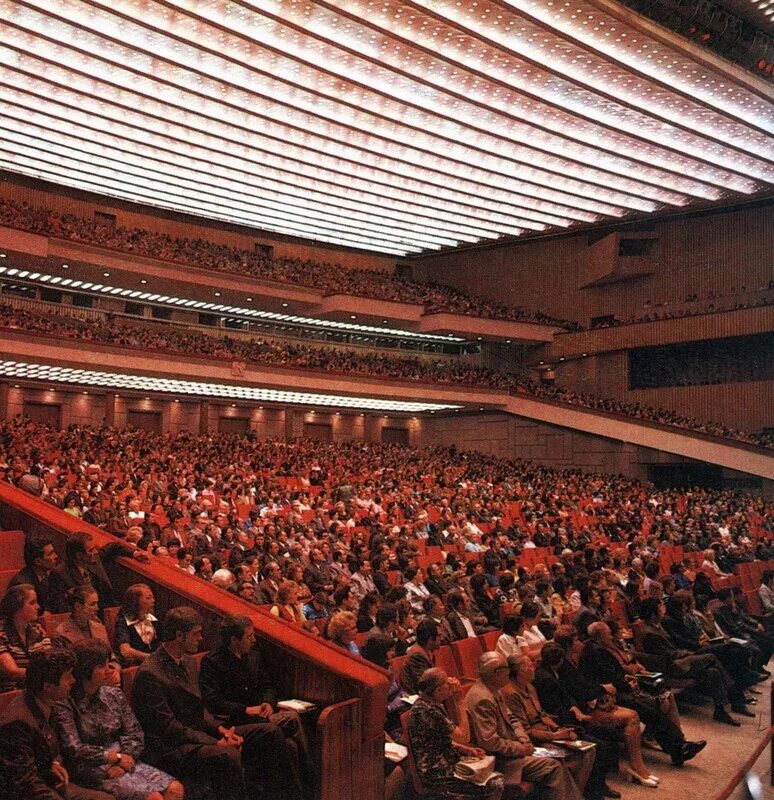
<point x="695" y="305"/>
<point x="129" y="333"/>
<point x="329" y="537"/>
<point x="326" y="277"/>
<point x="318" y="534"/>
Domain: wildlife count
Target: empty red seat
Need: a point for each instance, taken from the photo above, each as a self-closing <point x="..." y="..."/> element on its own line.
<point x="466" y="653"/>
<point x="11" y="550"/>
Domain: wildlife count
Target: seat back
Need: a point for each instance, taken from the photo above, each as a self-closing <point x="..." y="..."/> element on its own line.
<point x="466" y="653"/>
<point x="637" y="628"/>
<point x="489" y="640"/>
<point x="444" y="659"/>
<point x="11" y="550"/>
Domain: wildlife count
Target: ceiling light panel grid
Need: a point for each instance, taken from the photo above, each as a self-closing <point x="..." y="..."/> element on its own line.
<point x="391" y="126"/>
<point x="347" y="84"/>
<point x="278" y="163"/>
<point x="457" y="169"/>
<point x="274" y="78"/>
<point x="95" y="379"/>
<point x="458" y="62"/>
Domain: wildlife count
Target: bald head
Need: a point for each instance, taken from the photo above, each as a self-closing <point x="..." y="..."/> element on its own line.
<point x="493" y="669"/>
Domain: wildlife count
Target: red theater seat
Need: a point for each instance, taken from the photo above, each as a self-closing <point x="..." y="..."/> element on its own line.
<point x="466" y="653"/>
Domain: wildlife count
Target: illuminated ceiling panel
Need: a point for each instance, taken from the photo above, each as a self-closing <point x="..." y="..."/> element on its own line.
<point x="95" y="379"/>
<point x="395" y="127"/>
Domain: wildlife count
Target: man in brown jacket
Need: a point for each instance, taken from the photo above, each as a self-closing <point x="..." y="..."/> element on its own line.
<point x="494" y="729"/>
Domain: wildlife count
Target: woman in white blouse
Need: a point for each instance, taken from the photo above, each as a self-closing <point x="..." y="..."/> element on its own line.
<point x="513" y="628"/>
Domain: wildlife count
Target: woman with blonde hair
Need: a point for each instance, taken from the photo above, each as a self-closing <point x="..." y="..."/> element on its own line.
<point x="342" y="630"/>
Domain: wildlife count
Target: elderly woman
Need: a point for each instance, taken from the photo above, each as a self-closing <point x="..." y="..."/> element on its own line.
<point x="137" y="632"/>
<point x="21" y="634"/>
<point x="100" y="737"/>
<point x="587" y="767"/>
<point x="342" y="630"/>
<point x="437" y="743"/>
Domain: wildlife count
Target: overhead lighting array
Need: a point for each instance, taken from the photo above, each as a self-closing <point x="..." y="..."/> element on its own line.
<point x="394" y="126"/>
<point x="248" y="314"/>
<point x="94" y="379"/>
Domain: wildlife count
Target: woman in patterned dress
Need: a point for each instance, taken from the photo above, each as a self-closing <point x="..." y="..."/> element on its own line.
<point x="101" y="738"/>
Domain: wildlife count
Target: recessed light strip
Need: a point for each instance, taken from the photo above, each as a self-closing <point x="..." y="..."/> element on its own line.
<point x="460" y="169"/>
<point x="19" y="370"/>
<point x="316" y="65"/>
<point x="209" y="182"/>
<point x="78" y="176"/>
<point x="275" y="161"/>
<point x="519" y="34"/>
<point x="457" y="62"/>
<point x="143" y="173"/>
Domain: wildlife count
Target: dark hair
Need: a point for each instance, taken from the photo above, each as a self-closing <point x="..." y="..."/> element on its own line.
<point x="182" y="619"/>
<point x="410" y="573"/>
<point x="14" y="601"/>
<point x="551" y="654"/>
<point x="560" y="584"/>
<point x="376" y="647"/>
<point x="675" y="606"/>
<point x="478" y="582"/>
<point x="131" y="605"/>
<point x="341" y="594"/>
<point x="530" y="610"/>
<point x="724" y="594"/>
<point x="182" y="553"/>
<point x="34" y="546"/>
<point x="649" y="608"/>
<point x="768" y="574"/>
<point x="564" y="636"/>
<point x="233" y="626"/>
<point x="76" y="545"/>
<point x="426" y="630"/>
<point x="78" y="594"/>
<point x="652" y="569"/>
<point x="541" y="586"/>
<point x="386" y="614"/>
<point x="89" y="654"/>
<point x="454" y="599"/>
<point x="47" y="666"/>
<point x="512" y="623"/>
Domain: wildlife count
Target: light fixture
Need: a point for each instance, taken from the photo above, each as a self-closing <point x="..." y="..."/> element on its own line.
<point x="114" y="380"/>
<point x="235" y="311"/>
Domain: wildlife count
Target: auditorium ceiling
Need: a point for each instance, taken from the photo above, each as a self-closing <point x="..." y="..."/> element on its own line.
<point x="395" y="127"/>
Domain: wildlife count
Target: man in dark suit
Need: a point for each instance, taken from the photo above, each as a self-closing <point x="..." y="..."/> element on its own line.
<point x="40" y="560"/>
<point x="266" y="590"/>
<point x="236" y="688"/>
<point x="705" y="669"/>
<point x="735" y="622"/>
<point x="84" y="566"/>
<point x="30" y="762"/>
<point x="420" y="656"/>
<point x="316" y="575"/>
<point x="434" y="581"/>
<point x="182" y="738"/>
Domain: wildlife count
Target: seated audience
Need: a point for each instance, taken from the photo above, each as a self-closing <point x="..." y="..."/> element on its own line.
<point x="603" y="662"/>
<point x="438" y="743"/>
<point x="31" y="764"/>
<point x="587" y="767"/>
<point x="420" y="656"/>
<point x="40" y="561"/>
<point x="513" y="630"/>
<point x="236" y="687"/>
<point x="99" y="736"/>
<point x="342" y="630"/>
<point x="496" y="733"/>
<point x="678" y="663"/>
<point x="182" y="738"/>
<point x="21" y="634"/>
<point x="137" y="629"/>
